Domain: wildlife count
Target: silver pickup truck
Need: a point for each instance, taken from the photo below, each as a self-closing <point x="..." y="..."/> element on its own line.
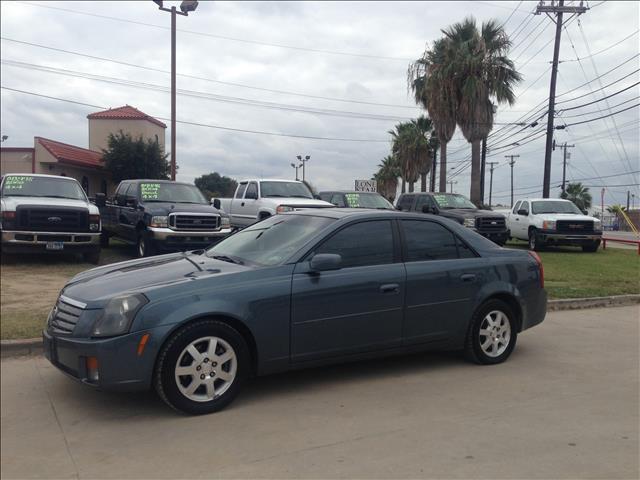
<point x="255" y="200"/>
<point x="48" y="213"/>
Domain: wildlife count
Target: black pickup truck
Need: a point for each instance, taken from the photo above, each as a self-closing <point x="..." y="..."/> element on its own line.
<point x="457" y="207"/>
<point x="160" y="215"/>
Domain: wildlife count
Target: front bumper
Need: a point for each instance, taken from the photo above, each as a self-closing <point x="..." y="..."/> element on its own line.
<point x="550" y="237"/>
<point x="166" y="238"/>
<point x="17" y="241"/>
<point x="497" y="237"/>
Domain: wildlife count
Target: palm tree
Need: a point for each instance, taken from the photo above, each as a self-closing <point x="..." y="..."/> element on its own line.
<point x="578" y="194"/>
<point x="429" y="78"/>
<point x="424" y="148"/>
<point x="480" y="72"/>
<point x="412" y="149"/>
<point x="387" y="177"/>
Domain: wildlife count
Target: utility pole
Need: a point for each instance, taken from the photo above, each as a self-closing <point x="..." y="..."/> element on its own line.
<point x="451" y="184"/>
<point x="558" y="9"/>
<point x="491" y="169"/>
<point x="628" y="199"/>
<point x="511" y="164"/>
<point x="565" y="156"/>
<point x="483" y="162"/>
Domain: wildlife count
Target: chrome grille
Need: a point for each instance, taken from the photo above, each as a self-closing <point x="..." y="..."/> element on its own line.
<point x="490" y="224"/>
<point x="194" y="222"/>
<point x="64" y="316"/>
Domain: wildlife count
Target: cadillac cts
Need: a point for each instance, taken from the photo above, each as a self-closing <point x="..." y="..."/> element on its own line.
<point x="296" y="290"/>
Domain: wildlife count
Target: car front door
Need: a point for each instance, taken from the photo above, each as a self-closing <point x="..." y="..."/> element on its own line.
<point x="354" y="309"/>
<point x="443" y="275"/>
<point x="522" y="221"/>
<point x="130" y="214"/>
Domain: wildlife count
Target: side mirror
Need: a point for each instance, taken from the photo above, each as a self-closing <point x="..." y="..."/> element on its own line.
<point x="429" y="209"/>
<point x="323" y="262"/>
<point x="523" y="212"/>
<point x="101" y="200"/>
<point x="131" y="202"/>
<point x="398" y="207"/>
<point x="216" y="203"/>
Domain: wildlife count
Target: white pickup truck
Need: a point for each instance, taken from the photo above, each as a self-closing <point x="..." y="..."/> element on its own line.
<point x="551" y="221"/>
<point x="255" y="200"/>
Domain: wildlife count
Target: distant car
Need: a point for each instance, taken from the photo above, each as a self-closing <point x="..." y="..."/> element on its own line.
<point x="554" y="221"/>
<point x="48" y="213"/>
<point x="459" y="208"/>
<point x="306" y="288"/>
<point x="353" y="199"/>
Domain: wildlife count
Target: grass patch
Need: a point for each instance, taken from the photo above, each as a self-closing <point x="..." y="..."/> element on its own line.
<point x="25" y="324"/>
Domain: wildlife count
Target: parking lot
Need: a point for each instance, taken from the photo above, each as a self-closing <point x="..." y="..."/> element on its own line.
<point x="565" y="405"/>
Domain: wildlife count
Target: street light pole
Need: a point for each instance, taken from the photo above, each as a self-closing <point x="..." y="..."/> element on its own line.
<point x="511" y="164"/>
<point x="296" y="167"/>
<point x="302" y="162"/>
<point x="451" y="184"/>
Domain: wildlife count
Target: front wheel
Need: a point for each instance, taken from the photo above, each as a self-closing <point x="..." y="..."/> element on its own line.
<point x="145" y="247"/>
<point x="202" y="367"/>
<point x="92" y="257"/>
<point x="591" y="248"/>
<point x="534" y="244"/>
<point x="492" y="334"/>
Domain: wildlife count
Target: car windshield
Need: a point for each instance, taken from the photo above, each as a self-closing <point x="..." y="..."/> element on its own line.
<point x="285" y="189"/>
<point x="170" y="192"/>
<point x="33" y="186"/>
<point x="367" y="200"/>
<point x="452" y="200"/>
<point x="555" y="206"/>
<point x="270" y="241"/>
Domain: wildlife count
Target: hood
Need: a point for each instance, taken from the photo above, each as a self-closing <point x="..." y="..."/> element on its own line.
<point x="165" y="208"/>
<point x="98" y="285"/>
<point x="10" y="203"/>
<point x="469" y="213"/>
<point x="565" y="216"/>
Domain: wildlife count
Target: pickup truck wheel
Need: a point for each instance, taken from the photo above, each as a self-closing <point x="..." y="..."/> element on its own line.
<point x="492" y="334"/>
<point x="104" y="239"/>
<point x="92" y="256"/>
<point x="534" y="243"/>
<point x="145" y="247"/>
<point x="591" y="248"/>
<point x="202" y="367"/>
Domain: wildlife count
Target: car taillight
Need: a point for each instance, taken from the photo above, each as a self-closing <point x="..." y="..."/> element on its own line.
<point x="538" y="260"/>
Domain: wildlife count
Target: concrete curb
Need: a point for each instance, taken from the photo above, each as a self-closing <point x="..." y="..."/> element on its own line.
<point x="33" y="346"/>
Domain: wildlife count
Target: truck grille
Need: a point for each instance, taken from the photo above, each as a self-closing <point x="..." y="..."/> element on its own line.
<point x="64" y="317"/>
<point x="178" y="221"/>
<point x="574" y="226"/>
<point x="47" y="219"/>
<point x="490" y="224"/>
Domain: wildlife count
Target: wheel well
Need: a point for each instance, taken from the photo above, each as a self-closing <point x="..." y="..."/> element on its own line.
<point x="140" y="226"/>
<point x="513" y="303"/>
<point x="264" y="215"/>
<point x="531" y="228"/>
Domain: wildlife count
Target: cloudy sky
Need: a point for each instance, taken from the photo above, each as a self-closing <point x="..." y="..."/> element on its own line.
<point x="335" y="71"/>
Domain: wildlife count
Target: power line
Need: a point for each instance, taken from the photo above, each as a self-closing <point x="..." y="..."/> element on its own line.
<point x="599" y="89"/>
<point x="559" y="127"/>
<point x="591" y="55"/>
<point x="598" y="111"/>
<point x="600" y="99"/>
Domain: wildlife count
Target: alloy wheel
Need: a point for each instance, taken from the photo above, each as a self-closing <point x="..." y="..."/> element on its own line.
<point x="495" y="333"/>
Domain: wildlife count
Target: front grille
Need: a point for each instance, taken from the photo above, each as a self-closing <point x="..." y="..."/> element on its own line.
<point x="47" y="219"/>
<point x="574" y="226"/>
<point x="195" y="223"/>
<point x="490" y="224"/>
<point x="64" y="317"/>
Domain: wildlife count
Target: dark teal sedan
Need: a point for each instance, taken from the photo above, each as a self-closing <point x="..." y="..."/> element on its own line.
<point x="296" y="290"/>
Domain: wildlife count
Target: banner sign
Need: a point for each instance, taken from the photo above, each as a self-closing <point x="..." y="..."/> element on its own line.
<point x="366" y="186"/>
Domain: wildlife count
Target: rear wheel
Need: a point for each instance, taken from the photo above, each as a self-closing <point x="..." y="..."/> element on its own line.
<point x="492" y="334"/>
<point x="202" y="367"/>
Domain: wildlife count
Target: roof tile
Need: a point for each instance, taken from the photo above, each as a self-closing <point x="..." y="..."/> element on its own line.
<point x="71" y="154"/>
<point x="125" y="113"/>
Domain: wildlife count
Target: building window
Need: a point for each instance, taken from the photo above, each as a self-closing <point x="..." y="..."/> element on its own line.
<point x="103" y="186"/>
<point x="85" y="184"/>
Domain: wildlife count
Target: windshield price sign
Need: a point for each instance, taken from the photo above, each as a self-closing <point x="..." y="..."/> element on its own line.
<point x="150" y="191"/>
<point x="366" y="186"/>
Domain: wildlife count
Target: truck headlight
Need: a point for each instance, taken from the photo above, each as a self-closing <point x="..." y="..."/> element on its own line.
<point x="549" y="225"/>
<point x="94" y="223"/>
<point x="159" y="221"/>
<point x="469" y="222"/>
<point x="117" y="316"/>
<point x="284" y="208"/>
<point x="597" y="225"/>
<point x="224" y="222"/>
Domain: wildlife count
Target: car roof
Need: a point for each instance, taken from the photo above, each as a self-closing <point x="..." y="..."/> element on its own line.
<point x="37" y="175"/>
<point x="340" y="213"/>
<point x="269" y="180"/>
<point x="154" y="180"/>
<point x="545" y="200"/>
<point x="345" y="191"/>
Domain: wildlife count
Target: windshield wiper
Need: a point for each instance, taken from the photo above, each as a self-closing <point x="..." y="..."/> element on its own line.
<point x="274" y="195"/>
<point x="299" y="196"/>
<point x="225" y="258"/>
<point x="55" y="196"/>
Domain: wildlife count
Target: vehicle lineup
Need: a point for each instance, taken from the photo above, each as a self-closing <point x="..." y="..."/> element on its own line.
<point x="487" y="223"/>
<point x="295" y="290"/>
<point x="255" y="200"/>
<point x="48" y="213"/>
<point x="548" y="221"/>
<point x="160" y="215"/>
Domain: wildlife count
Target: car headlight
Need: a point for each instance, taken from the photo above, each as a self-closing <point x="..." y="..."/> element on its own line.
<point x="469" y="222"/>
<point x="549" y="225"/>
<point x="94" y="223"/>
<point x="117" y="316"/>
<point x="597" y="225"/>
<point x="159" y="221"/>
<point x="284" y="208"/>
<point x="224" y="222"/>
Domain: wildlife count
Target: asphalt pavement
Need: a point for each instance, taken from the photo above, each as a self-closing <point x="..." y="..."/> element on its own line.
<point x="565" y="405"/>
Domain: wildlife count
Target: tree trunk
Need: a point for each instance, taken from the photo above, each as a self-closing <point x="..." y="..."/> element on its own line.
<point x="410" y="187"/>
<point x="423" y="182"/>
<point x="443" y="167"/>
<point x="434" y="168"/>
<point x="404" y="186"/>
<point x="475" y="195"/>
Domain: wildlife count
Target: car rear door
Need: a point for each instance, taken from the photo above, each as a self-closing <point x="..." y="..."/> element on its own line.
<point x="357" y="308"/>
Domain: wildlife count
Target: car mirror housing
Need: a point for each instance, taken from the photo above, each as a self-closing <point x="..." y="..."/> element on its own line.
<point x="429" y="209"/>
<point x="523" y="212"/>
<point x="323" y="262"/>
<point x="101" y="199"/>
<point x="216" y="203"/>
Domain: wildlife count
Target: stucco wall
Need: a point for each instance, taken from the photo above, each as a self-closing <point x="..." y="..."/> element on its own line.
<point x="16" y="161"/>
<point x="99" y="130"/>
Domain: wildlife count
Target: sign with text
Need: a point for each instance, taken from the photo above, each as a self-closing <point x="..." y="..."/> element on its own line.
<point x="366" y="186"/>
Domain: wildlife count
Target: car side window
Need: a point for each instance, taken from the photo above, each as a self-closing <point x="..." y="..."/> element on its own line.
<point x="406" y="202"/>
<point x="252" y="191"/>
<point x="131" y="194"/>
<point x="241" y="188"/>
<point x="464" y="251"/>
<point x="516" y="207"/>
<point x="325" y="196"/>
<point x="338" y="200"/>
<point x="362" y="244"/>
<point x="121" y="192"/>
<point x="423" y="200"/>
<point x="524" y="206"/>
<point x="427" y="240"/>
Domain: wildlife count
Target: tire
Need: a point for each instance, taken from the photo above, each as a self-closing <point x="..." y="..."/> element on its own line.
<point x="534" y="244"/>
<point x="174" y="388"/>
<point x="144" y="245"/>
<point x="591" y="248"/>
<point x="104" y="240"/>
<point x="479" y="347"/>
<point x="92" y="256"/>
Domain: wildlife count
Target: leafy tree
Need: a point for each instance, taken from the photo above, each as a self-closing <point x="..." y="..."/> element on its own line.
<point x="387" y="177"/>
<point x="128" y="157"/>
<point x="578" y="194"/>
<point x="216" y="185"/>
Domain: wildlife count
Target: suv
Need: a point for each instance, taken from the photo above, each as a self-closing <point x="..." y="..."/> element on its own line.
<point x="353" y="199"/>
<point x="457" y="207"/>
<point x="48" y="213"/>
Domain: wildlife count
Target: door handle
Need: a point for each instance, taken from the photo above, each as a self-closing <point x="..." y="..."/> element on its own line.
<point x="242" y="204"/>
<point x="468" y="277"/>
<point x="390" y="288"/>
<point x="517" y="219"/>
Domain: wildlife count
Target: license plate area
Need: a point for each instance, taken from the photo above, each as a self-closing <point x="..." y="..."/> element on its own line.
<point x="55" y="246"/>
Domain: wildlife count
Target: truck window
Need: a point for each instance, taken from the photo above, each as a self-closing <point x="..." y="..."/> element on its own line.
<point x="252" y="191"/>
<point x="422" y="201"/>
<point x="524" y="206"/>
<point x="406" y="202"/>
<point x="130" y="195"/>
<point x="121" y="192"/>
<point x="338" y="200"/>
<point x="516" y="206"/>
<point x="241" y="188"/>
